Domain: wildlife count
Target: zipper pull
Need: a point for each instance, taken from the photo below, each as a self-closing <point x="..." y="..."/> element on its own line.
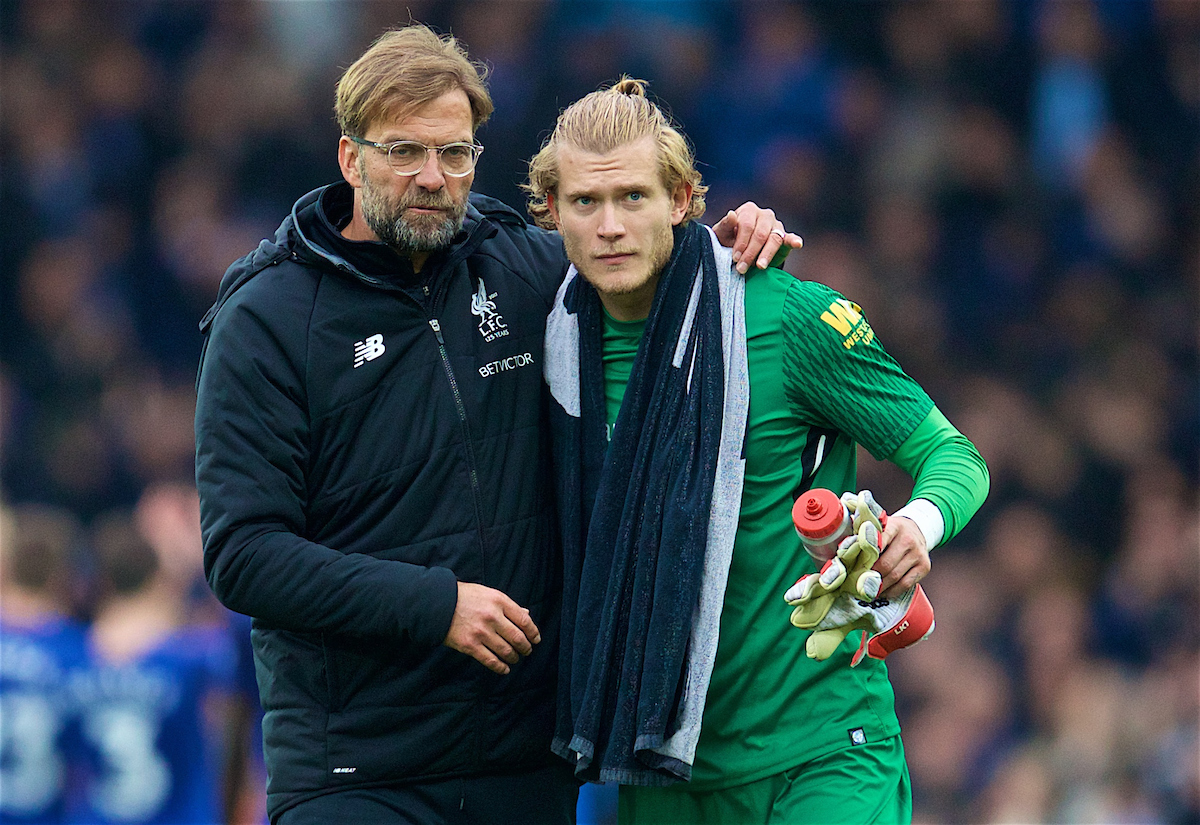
<point x="425" y="289"/>
<point x="437" y="330"/>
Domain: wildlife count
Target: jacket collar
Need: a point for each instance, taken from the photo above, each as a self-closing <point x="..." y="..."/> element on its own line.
<point x="296" y="238"/>
<point x="313" y="229"/>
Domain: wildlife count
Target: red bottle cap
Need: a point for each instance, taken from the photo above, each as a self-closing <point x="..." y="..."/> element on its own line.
<point x="817" y="514"/>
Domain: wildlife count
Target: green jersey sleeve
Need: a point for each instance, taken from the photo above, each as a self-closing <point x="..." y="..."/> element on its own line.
<point x="838" y="375"/>
<point x="947" y="470"/>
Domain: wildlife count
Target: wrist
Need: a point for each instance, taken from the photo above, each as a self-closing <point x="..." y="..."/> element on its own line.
<point x="928" y="518"/>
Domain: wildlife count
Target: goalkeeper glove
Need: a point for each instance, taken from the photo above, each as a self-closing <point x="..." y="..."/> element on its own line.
<point x="850" y="569"/>
<point x="888" y="625"/>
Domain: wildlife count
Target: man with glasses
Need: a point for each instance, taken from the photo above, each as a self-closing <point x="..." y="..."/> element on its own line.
<point x="372" y="467"/>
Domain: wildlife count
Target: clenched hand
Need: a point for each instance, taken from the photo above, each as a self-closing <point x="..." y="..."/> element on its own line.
<point x="491" y="628"/>
<point x="904" y="557"/>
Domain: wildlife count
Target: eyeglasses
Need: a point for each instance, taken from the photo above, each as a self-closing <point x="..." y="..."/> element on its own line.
<point x="407" y="157"/>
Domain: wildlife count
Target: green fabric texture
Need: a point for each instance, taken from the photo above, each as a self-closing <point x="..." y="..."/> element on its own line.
<point x="838" y="375"/>
<point x="857" y="785"/>
<point x="619" y="345"/>
<point x="949" y="471"/>
<point x="769" y="707"/>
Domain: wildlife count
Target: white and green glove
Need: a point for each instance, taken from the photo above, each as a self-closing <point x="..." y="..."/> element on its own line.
<point x="842" y="597"/>
<point x="848" y="571"/>
<point x="888" y="625"/>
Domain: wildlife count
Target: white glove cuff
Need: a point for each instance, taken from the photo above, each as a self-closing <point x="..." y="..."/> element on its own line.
<point x="928" y="519"/>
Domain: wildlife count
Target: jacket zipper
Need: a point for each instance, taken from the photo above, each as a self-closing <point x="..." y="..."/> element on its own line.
<point x="462" y="419"/>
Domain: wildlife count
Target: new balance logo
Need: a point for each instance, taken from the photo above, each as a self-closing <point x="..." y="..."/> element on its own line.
<point x="368" y="350"/>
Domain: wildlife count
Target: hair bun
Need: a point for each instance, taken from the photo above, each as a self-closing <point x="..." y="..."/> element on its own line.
<point x="630" y="86"/>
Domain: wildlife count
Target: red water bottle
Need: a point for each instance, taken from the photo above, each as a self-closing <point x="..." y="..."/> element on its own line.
<point x="822" y="522"/>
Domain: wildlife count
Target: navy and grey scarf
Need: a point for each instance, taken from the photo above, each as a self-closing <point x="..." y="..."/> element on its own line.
<point x="648" y="519"/>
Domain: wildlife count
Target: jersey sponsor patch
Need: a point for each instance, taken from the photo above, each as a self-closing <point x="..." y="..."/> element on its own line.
<point x="512" y="362"/>
<point x="846" y="317"/>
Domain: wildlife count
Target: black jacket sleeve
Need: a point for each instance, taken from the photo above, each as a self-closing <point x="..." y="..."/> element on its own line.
<point x="252" y="450"/>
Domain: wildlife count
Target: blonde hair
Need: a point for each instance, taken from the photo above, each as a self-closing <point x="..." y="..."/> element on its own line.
<point x="402" y="70"/>
<point x="602" y="122"/>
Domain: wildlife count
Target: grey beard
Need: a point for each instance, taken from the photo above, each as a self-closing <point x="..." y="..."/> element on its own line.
<point x="405" y="237"/>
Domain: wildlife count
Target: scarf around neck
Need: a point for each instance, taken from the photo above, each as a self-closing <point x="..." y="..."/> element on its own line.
<point x="648" y="519"/>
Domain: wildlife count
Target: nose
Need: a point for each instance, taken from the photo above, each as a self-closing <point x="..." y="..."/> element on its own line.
<point x="430" y="178"/>
<point x="610" y="225"/>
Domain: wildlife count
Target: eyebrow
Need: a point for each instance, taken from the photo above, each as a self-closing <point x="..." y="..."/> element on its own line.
<point x="423" y="143"/>
<point x="571" y="194"/>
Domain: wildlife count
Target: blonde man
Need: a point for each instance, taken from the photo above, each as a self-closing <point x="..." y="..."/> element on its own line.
<point x="373" y="471"/>
<point x="691" y="408"/>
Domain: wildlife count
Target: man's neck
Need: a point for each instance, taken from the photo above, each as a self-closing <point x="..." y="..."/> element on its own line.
<point x="126" y="627"/>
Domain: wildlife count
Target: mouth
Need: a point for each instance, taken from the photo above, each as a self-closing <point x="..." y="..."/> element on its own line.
<point x="614" y="258"/>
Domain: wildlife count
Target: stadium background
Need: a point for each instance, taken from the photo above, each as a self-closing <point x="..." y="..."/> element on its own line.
<point x="1009" y="189"/>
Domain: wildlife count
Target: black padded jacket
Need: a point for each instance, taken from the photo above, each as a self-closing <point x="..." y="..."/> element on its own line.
<point x="365" y="438"/>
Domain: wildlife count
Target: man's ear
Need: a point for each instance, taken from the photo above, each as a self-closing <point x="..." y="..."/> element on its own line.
<point x="681" y="199"/>
<point x="553" y="207"/>
<point x="348" y="154"/>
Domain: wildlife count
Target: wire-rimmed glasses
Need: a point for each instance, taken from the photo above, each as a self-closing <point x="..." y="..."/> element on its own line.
<point x="408" y="157"/>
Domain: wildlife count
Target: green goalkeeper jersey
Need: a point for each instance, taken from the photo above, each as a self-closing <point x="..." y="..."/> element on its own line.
<point x="820" y="383"/>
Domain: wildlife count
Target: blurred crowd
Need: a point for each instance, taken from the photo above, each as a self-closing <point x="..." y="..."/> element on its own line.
<point x="1011" y="190"/>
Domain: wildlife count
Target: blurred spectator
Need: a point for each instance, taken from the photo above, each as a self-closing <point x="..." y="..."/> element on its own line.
<point x="154" y="692"/>
<point x="1012" y="187"/>
<point x="167" y="515"/>
<point x="525" y="97"/>
<point x="1070" y="105"/>
<point x="244" y="774"/>
<point x="40" y="643"/>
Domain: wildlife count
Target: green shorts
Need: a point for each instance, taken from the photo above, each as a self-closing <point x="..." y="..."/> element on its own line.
<point x="857" y="785"/>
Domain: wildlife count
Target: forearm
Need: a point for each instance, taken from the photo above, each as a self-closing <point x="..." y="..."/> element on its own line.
<point x="259" y="563"/>
<point x="288" y="582"/>
<point x="947" y="469"/>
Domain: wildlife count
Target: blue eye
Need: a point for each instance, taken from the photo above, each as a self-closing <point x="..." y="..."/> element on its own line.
<point x="635" y="196"/>
<point x="584" y="201"/>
